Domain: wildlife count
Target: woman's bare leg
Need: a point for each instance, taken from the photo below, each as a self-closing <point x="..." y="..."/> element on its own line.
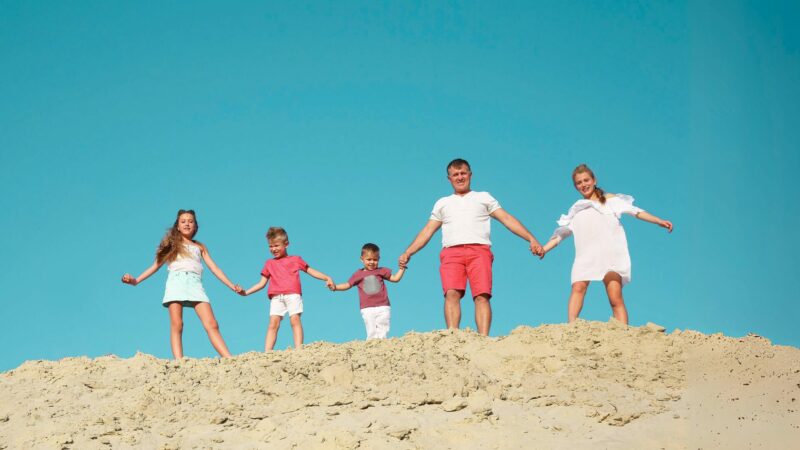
<point x="576" y="296"/>
<point x="613" y="283"/>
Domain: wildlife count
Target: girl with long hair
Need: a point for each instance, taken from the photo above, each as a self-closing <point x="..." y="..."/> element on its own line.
<point x="601" y="248"/>
<point x="182" y="254"/>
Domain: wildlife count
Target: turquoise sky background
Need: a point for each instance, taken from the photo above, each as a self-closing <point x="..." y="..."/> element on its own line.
<point x="336" y="120"/>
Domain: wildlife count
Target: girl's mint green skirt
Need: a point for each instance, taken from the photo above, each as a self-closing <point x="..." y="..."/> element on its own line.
<point x="185" y="288"/>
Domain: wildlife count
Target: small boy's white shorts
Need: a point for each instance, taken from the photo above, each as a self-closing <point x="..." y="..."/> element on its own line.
<point x="281" y="304"/>
<point x="376" y="319"/>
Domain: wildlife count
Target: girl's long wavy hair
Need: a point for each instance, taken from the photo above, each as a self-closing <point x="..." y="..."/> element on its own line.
<point x="583" y="168"/>
<point x="171" y="245"/>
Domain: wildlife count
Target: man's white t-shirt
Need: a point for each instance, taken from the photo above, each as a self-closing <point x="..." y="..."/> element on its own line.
<point x="465" y="218"/>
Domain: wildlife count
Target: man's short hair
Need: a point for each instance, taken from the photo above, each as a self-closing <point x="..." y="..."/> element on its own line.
<point x="456" y="163"/>
<point x="370" y="247"/>
<point x="277" y="233"/>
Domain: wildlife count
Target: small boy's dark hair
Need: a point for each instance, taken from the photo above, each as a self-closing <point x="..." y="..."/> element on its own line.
<point x="277" y="233"/>
<point x="370" y="247"/>
<point x="456" y="163"/>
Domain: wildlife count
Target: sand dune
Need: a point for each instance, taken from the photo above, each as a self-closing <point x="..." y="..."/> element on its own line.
<point x="586" y="385"/>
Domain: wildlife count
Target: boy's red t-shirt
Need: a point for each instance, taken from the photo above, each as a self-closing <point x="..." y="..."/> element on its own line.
<point x="284" y="275"/>
<point x="371" y="289"/>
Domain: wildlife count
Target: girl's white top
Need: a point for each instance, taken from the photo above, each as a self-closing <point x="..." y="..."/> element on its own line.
<point x="600" y="242"/>
<point x="189" y="262"/>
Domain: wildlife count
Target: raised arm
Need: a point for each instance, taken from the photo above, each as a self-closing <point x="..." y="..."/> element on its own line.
<point x="647" y="217"/>
<point x="212" y="266"/>
<point x="516" y="227"/>
<point x="321" y="276"/>
<point x="128" y="278"/>
<point x="420" y="241"/>
<point x="397" y="276"/>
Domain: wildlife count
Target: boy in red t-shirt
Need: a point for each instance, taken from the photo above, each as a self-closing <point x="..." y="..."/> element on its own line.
<point x="284" y="292"/>
<point x="374" y="300"/>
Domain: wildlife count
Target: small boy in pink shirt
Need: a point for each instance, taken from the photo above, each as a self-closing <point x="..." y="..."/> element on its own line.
<point x="284" y="292"/>
<point x="372" y="295"/>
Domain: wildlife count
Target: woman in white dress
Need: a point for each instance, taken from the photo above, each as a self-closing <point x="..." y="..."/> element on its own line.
<point x="601" y="249"/>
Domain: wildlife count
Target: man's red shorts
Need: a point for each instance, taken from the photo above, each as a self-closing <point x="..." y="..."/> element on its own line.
<point x="472" y="262"/>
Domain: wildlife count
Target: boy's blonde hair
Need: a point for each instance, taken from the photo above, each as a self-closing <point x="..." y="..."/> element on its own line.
<point x="277" y="233"/>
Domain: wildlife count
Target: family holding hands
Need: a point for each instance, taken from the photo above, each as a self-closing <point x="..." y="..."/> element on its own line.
<point x="601" y="254"/>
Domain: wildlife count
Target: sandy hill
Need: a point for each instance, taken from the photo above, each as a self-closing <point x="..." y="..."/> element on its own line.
<point x="586" y="385"/>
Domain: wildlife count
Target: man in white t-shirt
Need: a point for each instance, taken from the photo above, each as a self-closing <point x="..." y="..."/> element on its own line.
<point x="464" y="218"/>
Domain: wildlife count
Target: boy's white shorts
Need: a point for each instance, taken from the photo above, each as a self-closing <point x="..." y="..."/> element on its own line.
<point x="281" y="304"/>
<point x="376" y="319"/>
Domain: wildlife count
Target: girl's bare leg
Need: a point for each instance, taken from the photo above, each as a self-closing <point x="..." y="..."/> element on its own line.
<point x="206" y="315"/>
<point x="576" y="296"/>
<point x="176" y="329"/>
<point x="613" y="283"/>
<point x="272" y="332"/>
<point x="297" y="330"/>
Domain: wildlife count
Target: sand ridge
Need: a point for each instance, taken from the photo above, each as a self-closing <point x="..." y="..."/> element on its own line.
<point x="584" y="385"/>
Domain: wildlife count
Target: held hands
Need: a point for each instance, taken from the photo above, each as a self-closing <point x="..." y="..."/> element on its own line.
<point x="129" y="279"/>
<point x="537" y="249"/>
<point x="239" y="290"/>
<point x="549" y="246"/>
<point x="402" y="261"/>
<point x="330" y="284"/>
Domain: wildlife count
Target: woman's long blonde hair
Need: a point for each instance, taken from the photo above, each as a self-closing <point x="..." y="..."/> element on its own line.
<point x="583" y="168"/>
<point x="171" y="245"/>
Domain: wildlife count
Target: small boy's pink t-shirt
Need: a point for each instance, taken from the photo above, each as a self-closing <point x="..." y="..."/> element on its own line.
<point x="284" y="275"/>
<point x="371" y="288"/>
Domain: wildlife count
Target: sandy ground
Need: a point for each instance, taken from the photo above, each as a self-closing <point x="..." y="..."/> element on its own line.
<point x="585" y="385"/>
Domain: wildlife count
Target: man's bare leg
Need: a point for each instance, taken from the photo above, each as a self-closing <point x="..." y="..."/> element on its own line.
<point x="483" y="314"/>
<point x="452" y="308"/>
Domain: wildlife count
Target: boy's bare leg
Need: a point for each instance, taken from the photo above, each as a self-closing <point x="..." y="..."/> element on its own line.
<point x="272" y="332"/>
<point x="452" y="308"/>
<point x="297" y="330"/>
<point x="576" y="300"/>
<point x="206" y="315"/>
<point x="613" y="284"/>
<point x="176" y="329"/>
<point x="483" y="314"/>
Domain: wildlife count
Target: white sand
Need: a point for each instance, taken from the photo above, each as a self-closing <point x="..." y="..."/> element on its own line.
<point x="587" y="385"/>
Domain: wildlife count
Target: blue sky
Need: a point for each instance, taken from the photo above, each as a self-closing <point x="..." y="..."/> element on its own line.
<point x="336" y="120"/>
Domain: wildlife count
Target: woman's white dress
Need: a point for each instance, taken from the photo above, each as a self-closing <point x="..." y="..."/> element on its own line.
<point x="600" y="242"/>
